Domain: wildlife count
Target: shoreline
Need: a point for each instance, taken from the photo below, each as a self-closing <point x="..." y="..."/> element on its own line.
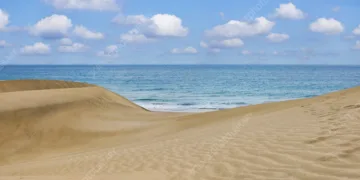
<point x="203" y="110"/>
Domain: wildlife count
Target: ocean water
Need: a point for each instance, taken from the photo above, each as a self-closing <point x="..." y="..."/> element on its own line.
<point x="188" y="88"/>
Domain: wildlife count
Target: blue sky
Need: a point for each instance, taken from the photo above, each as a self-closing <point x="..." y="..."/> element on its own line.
<point x="179" y="32"/>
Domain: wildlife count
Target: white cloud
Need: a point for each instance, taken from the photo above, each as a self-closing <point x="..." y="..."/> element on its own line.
<point x="65" y="41"/>
<point x="289" y="11"/>
<point x="275" y="37"/>
<point x="73" y="48"/>
<point x="38" y="48"/>
<point x="245" y="52"/>
<point x="223" y="44"/>
<point x="239" y="28"/>
<point x="357" y="45"/>
<point x="187" y="50"/>
<point x="159" y="25"/>
<point x="167" y="25"/>
<point x="327" y="26"/>
<point x="98" y="5"/>
<point x="110" y="51"/>
<point x="336" y="9"/>
<point x="230" y="43"/>
<point x="54" y="26"/>
<point x="85" y="33"/>
<point x="134" y="36"/>
<point x="3" y="44"/>
<point x="356" y="31"/>
<point x="4" y="19"/>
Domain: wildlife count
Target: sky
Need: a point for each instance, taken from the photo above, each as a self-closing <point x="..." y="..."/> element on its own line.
<point x="180" y="32"/>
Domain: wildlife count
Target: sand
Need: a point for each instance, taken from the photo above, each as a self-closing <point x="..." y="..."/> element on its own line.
<point x="64" y="130"/>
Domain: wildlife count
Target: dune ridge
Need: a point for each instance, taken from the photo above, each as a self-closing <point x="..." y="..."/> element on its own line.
<point x="68" y="130"/>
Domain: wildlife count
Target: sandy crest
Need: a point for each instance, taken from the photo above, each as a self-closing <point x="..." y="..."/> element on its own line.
<point x="64" y="130"/>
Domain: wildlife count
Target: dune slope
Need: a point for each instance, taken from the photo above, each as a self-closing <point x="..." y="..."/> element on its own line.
<point x="64" y="130"/>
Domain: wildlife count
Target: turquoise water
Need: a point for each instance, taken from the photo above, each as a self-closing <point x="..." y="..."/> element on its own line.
<point x="200" y="87"/>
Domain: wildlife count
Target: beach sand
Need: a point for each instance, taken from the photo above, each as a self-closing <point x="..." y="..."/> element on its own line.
<point x="64" y="130"/>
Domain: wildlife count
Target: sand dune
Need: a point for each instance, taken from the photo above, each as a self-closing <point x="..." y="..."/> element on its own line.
<point x="65" y="130"/>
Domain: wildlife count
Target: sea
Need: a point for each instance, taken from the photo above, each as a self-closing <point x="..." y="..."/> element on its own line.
<point x="198" y="88"/>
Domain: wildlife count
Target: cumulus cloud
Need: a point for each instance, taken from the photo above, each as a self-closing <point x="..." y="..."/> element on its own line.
<point x="85" y="33"/>
<point x="357" y="45"/>
<point x="134" y="36"/>
<point x="167" y="25"/>
<point x="230" y="43"/>
<point x="187" y="50"/>
<point x="216" y="45"/>
<point x="356" y="31"/>
<point x="98" y="5"/>
<point x="275" y="37"/>
<point x="159" y="25"/>
<point x="38" y="48"/>
<point x="54" y="26"/>
<point x="4" y="22"/>
<point x="73" y="48"/>
<point x="289" y="11"/>
<point x="327" y="26"/>
<point x="4" y="19"/>
<point x="235" y="28"/>
<point x="65" y="41"/>
<point x="110" y="51"/>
